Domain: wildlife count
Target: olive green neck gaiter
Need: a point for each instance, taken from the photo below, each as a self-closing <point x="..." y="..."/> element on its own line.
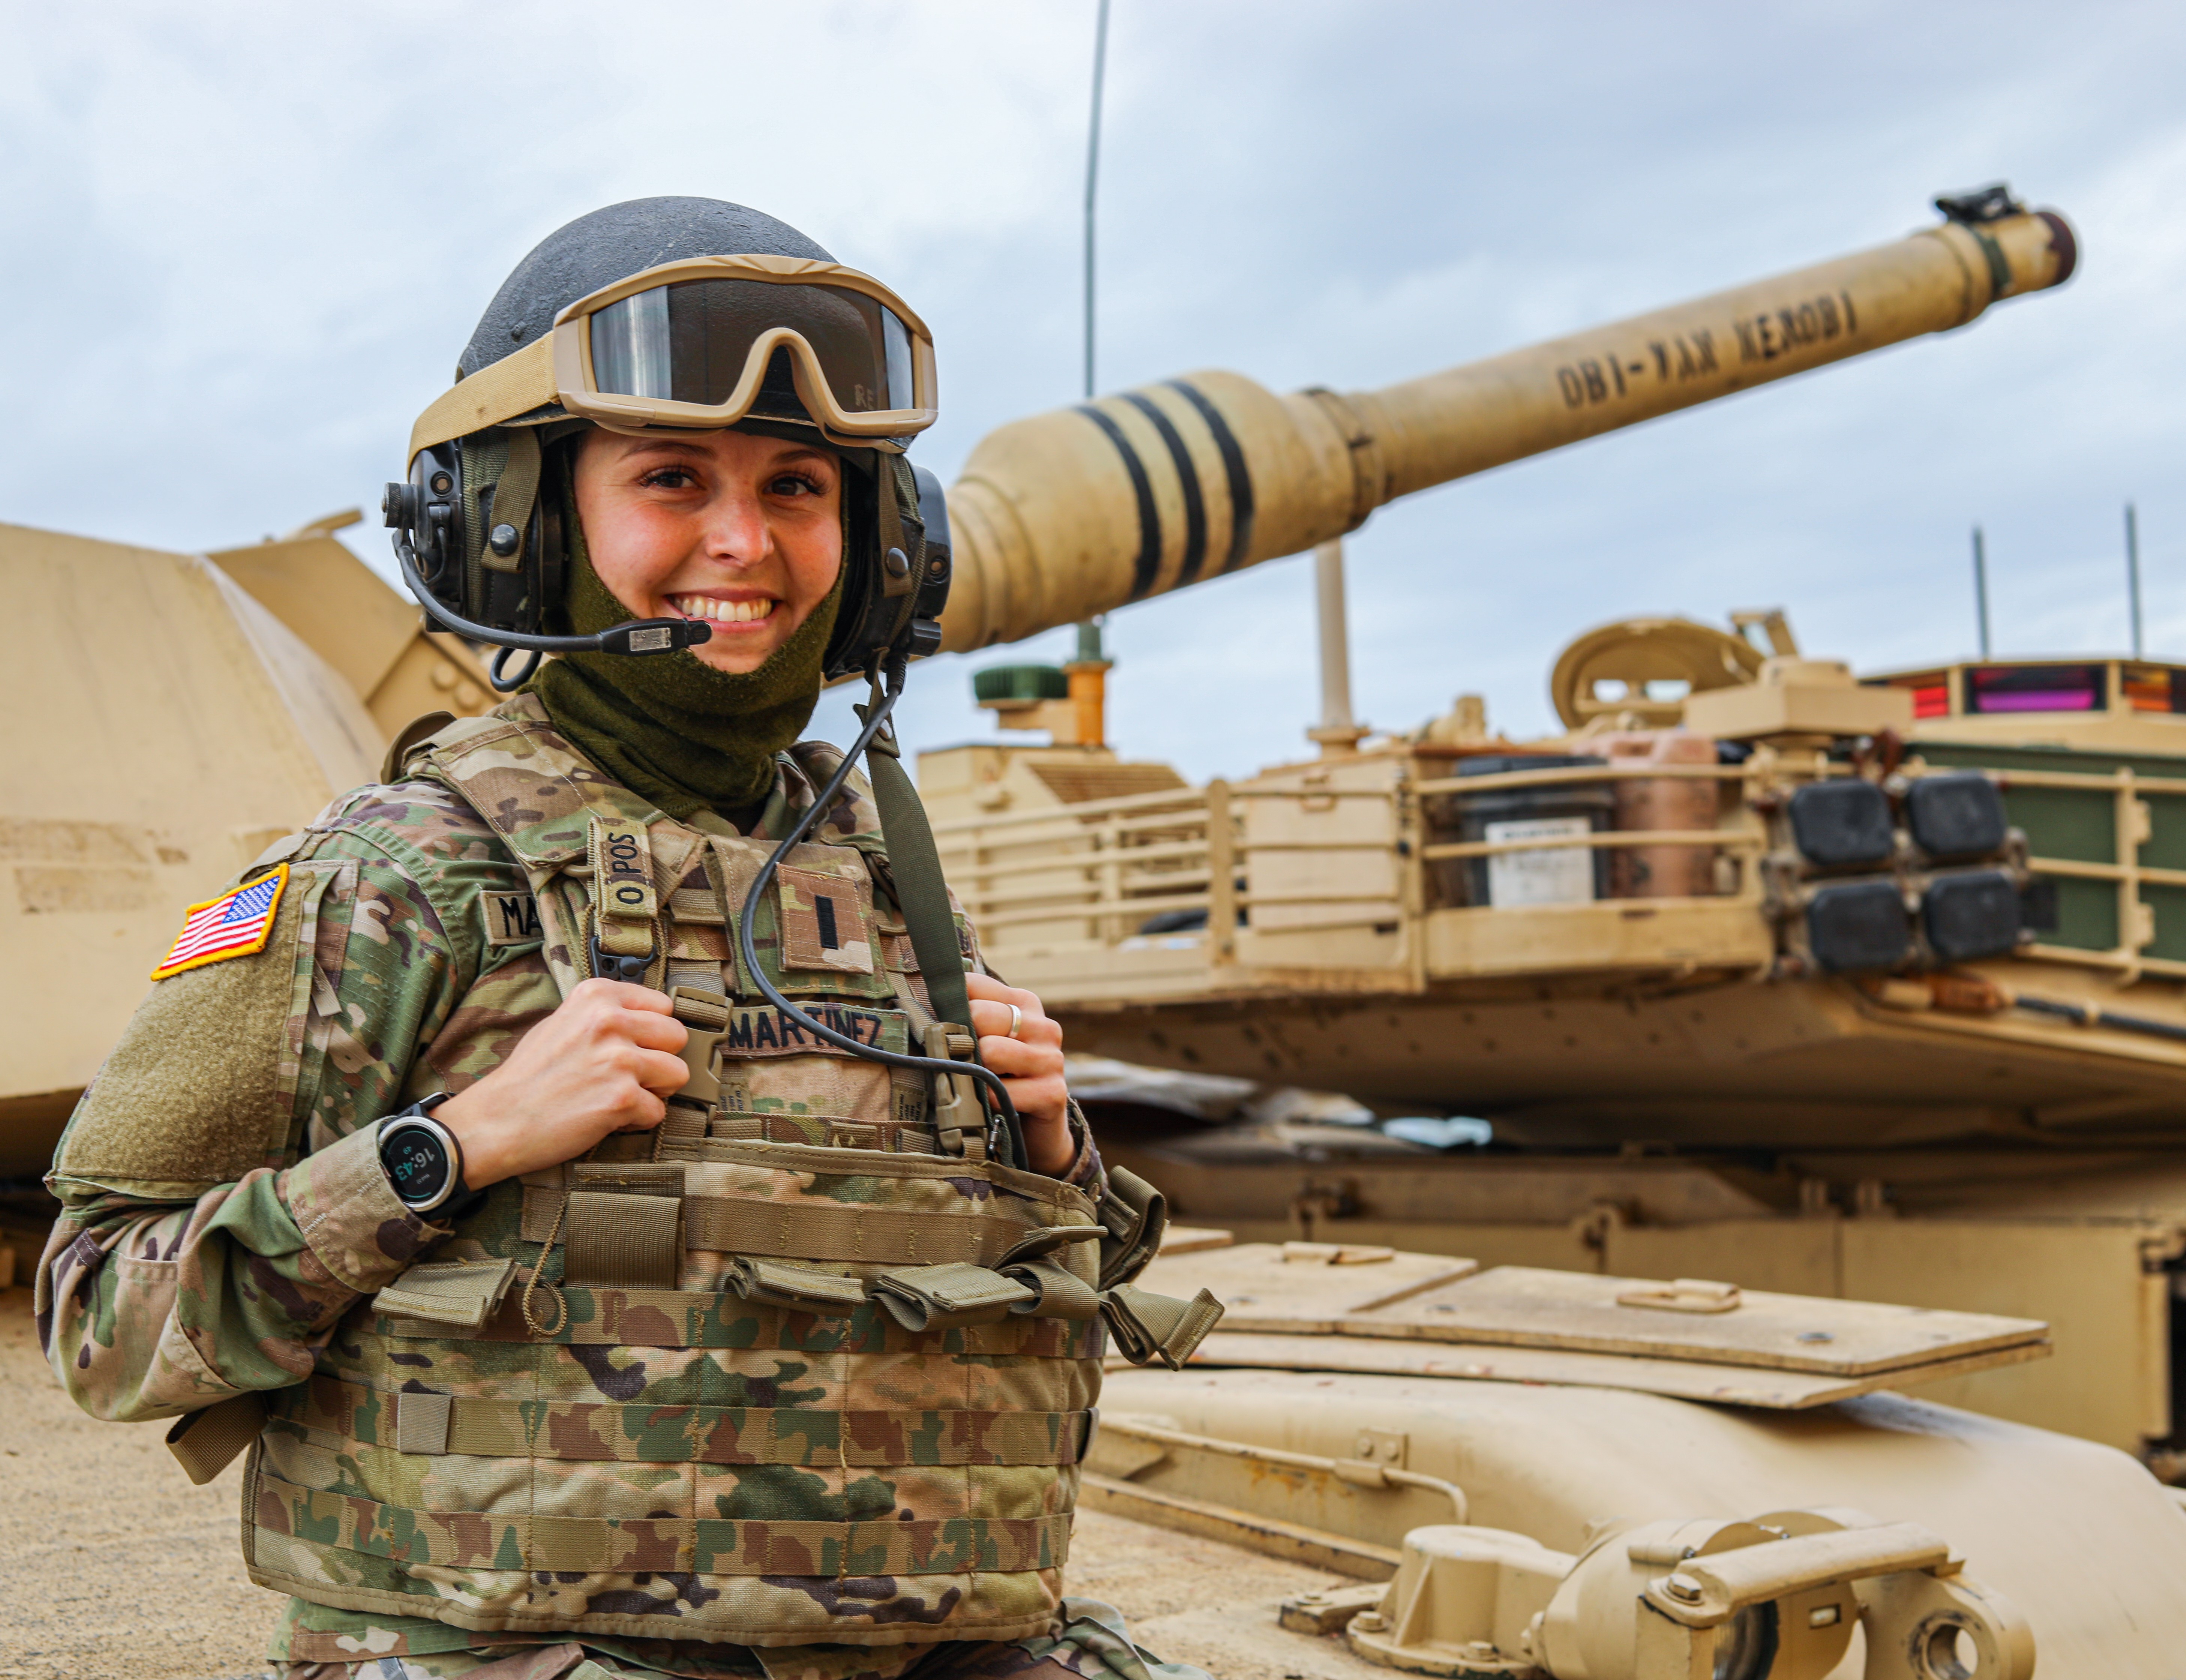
<point x="675" y="731"/>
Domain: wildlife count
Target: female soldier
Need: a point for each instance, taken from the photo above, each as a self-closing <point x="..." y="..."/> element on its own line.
<point x="544" y="1163"/>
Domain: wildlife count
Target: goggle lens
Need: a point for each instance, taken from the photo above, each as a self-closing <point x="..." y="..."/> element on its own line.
<point x="690" y="341"/>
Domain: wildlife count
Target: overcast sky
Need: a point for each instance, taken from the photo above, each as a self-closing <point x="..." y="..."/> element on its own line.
<point x="244" y="243"/>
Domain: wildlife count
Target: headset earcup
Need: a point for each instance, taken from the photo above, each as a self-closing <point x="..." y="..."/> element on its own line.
<point x="439" y="543"/>
<point x="547" y="559"/>
<point x="878" y="606"/>
<point x="850" y="646"/>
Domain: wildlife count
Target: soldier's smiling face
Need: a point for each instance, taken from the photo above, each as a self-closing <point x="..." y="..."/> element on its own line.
<point x="742" y="531"/>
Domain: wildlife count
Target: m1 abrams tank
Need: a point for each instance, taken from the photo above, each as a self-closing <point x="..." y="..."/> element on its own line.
<point x="1570" y="1473"/>
<point x="1764" y="973"/>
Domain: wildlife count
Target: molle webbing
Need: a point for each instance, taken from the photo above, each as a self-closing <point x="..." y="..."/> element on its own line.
<point x="619" y="1318"/>
<point x="807" y="1231"/>
<point x="598" y="1432"/>
<point x="1135" y="1215"/>
<point x="926" y="1297"/>
<point x="1153" y="1328"/>
<point x="684" y="1134"/>
<point x="1062" y="1294"/>
<point x="459" y="1294"/>
<point x="422" y="1422"/>
<point x="637" y="1545"/>
<point x="775" y="1282"/>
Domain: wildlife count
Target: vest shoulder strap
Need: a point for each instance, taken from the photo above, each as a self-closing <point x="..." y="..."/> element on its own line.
<point x="436" y="732"/>
<point x="915" y="867"/>
<point x="537" y="791"/>
<point x="549" y="806"/>
<point x="856" y="820"/>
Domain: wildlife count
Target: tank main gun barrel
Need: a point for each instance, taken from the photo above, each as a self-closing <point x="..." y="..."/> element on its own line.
<point x="1084" y="509"/>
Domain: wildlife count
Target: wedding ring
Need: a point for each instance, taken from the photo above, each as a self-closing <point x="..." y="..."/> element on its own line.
<point x="1017" y="1019"/>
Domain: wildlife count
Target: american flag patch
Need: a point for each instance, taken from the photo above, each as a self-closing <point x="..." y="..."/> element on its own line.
<point x="234" y="924"/>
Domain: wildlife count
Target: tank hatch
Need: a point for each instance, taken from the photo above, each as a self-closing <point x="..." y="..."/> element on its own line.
<point x="1330" y="1307"/>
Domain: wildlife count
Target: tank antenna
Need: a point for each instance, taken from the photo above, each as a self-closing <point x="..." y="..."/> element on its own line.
<point x="2133" y="572"/>
<point x="1088" y="672"/>
<point x="1093" y="175"/>
<point x="1980" y="588"/>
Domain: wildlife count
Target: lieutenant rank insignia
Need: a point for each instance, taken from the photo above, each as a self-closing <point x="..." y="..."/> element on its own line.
<point x="233" y="924"/>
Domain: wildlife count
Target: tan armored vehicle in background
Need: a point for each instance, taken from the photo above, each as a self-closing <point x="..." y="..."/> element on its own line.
<point x="1775" y="985"/>
<point x="1571" y="1472"/>
<point x="224" y="699"/>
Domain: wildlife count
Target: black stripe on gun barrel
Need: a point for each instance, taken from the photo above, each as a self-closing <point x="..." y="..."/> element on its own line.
<point x="1187" y="476"/>
<point x="1233" y="468"/>
<point x="1150" y="536"/>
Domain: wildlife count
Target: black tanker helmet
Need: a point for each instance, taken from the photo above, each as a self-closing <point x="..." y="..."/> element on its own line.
<point x="673" y="314"/>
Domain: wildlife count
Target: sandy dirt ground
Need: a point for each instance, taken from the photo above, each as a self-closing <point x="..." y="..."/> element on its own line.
<point x="113" y="1567"/>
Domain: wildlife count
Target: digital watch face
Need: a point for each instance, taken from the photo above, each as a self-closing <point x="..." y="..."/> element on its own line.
<point x="417" y="1165"/>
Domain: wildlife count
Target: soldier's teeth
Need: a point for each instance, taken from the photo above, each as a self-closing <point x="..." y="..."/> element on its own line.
<point x="724" y="612"/>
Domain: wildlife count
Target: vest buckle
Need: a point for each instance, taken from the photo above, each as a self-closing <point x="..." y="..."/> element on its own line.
<point x="959" y="1122"/>
<point x="705" y="1017"/>
<point x="609" y="966"/>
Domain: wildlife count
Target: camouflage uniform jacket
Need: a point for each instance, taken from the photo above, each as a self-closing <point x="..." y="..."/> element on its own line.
<point x="226" y="1220"/>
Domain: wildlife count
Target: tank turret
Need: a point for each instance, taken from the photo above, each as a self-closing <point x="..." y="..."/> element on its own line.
<point x="1084" y="509"/>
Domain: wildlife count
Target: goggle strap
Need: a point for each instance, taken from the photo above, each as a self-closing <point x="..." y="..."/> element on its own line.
<point x="492" y="396"/>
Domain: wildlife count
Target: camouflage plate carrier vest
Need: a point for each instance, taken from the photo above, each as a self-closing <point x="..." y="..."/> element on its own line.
<point x="801" y="1367"/>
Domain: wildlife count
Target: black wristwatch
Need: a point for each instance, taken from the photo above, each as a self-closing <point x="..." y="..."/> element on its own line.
<point x="422" y="1158"/>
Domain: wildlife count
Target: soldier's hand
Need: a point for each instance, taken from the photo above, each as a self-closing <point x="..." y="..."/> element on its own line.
<point x="1030" y="1064"/>
<point x="607" y="1060"/>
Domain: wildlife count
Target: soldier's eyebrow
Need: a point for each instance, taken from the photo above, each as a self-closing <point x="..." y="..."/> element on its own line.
<point x="798" y="455"/>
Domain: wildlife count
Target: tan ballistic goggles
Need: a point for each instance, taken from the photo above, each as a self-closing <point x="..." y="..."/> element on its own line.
<point x="690" y="344"/>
